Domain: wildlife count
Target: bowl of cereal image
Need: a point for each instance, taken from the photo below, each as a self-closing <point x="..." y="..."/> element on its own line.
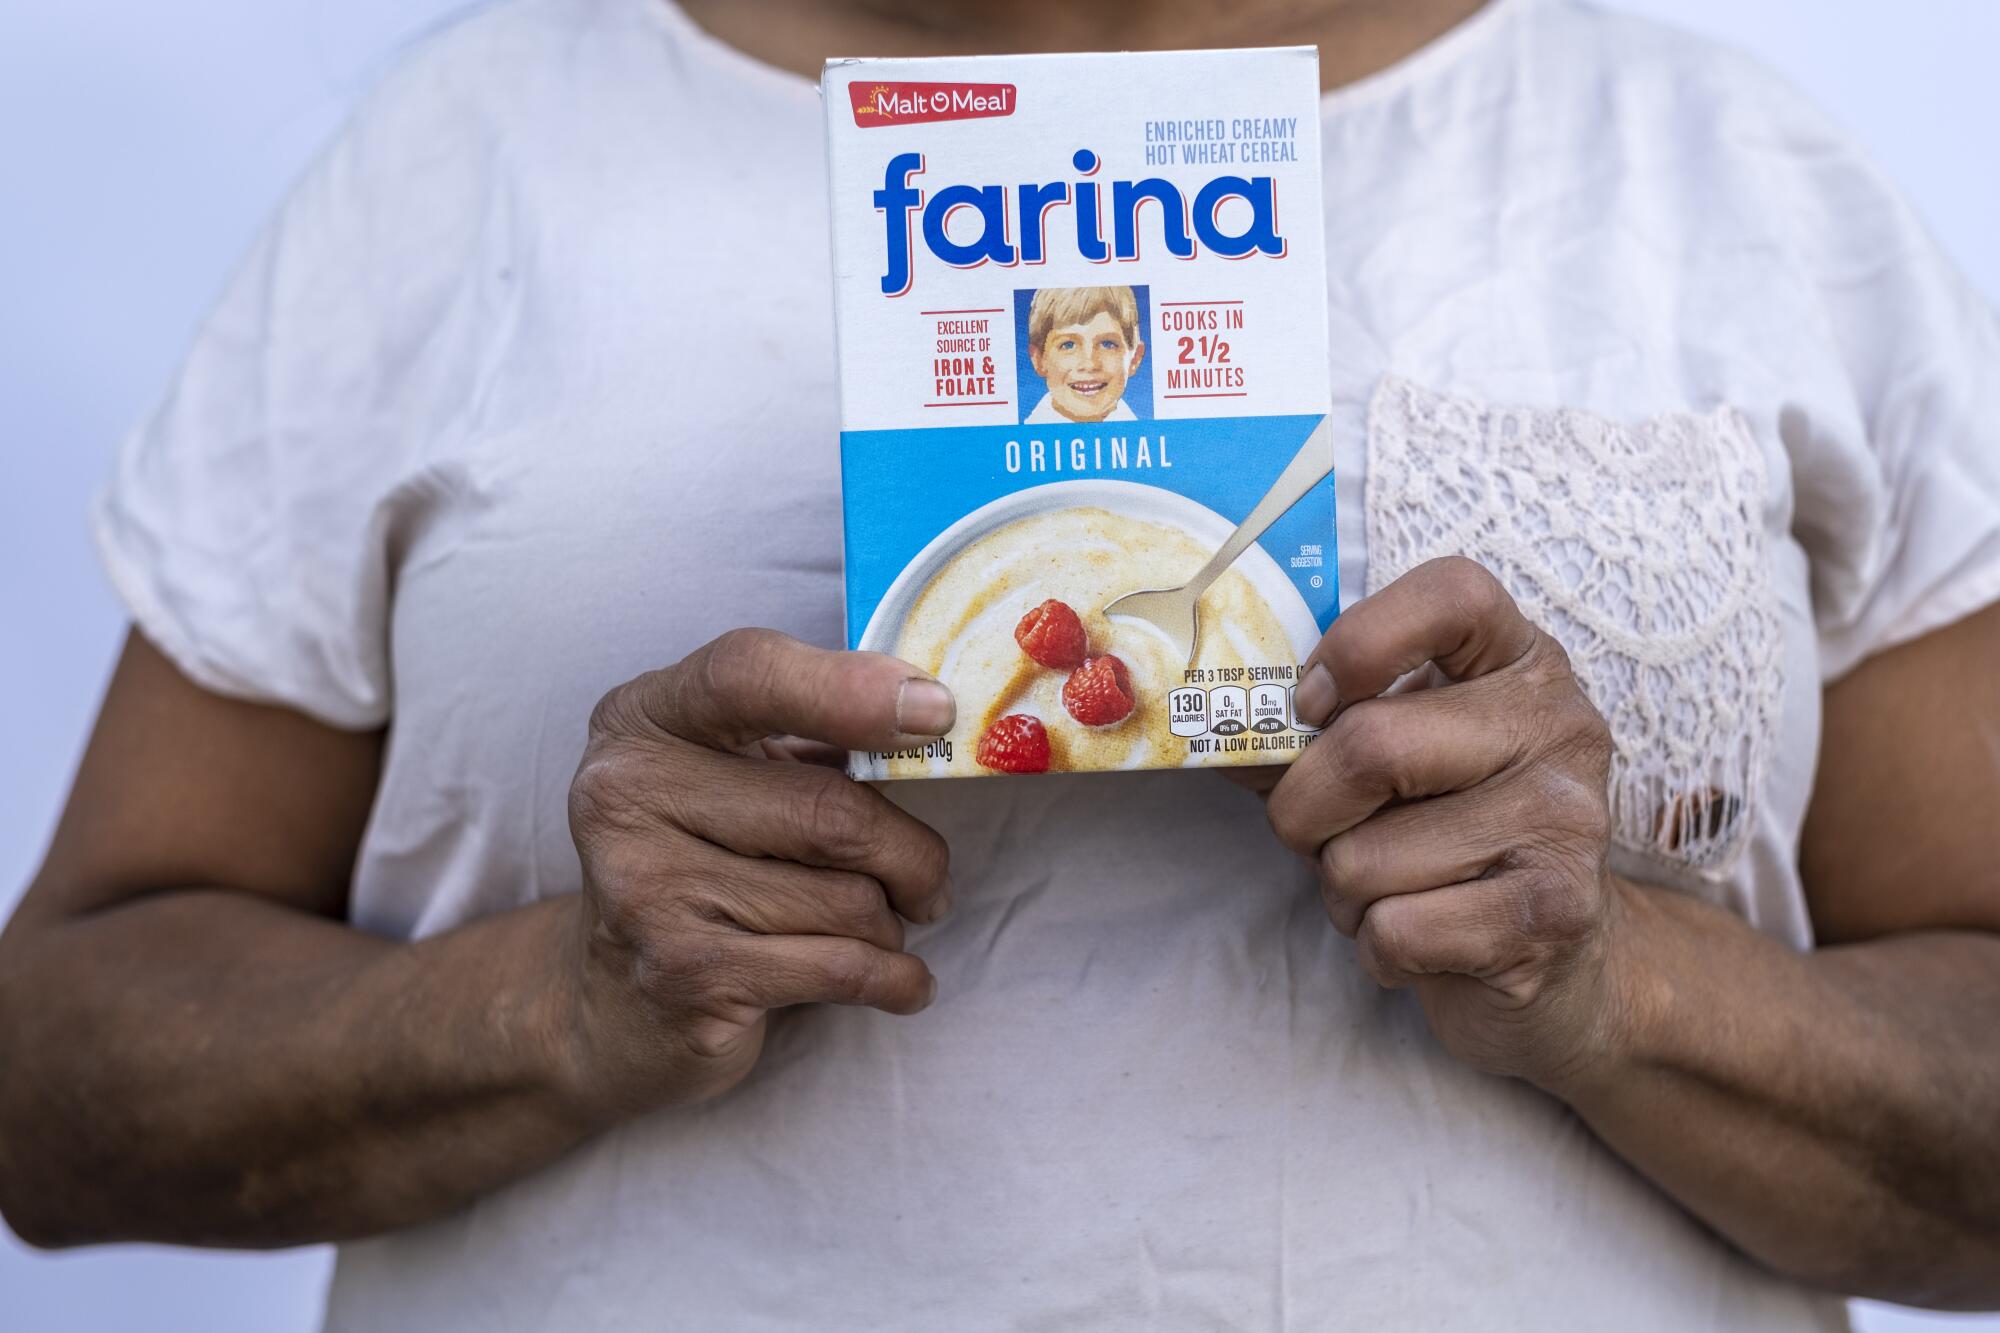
<point x="974" y="609"/>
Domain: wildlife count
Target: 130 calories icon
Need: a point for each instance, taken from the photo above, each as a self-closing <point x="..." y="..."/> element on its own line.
<point x="1187" y="712"/>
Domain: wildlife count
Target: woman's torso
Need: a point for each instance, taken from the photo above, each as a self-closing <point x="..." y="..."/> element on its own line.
<point x="1155" y="1090"/>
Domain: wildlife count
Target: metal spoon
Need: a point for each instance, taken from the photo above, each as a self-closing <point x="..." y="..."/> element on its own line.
<point x="1176" y="612"/>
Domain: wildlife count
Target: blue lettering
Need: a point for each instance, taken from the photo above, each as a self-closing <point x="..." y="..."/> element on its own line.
<point x="1126" y="196"/>
<point x="991" y="203"/>
<point x="1260" y="237"/>
<point x="1036" y="200"/>
<point x="896" y="201"/>
<point x="1089" y="235"/>
<point x="1184" y="230"/>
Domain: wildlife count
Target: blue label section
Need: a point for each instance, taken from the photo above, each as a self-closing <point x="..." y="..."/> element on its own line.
<point x="901" y="488"/>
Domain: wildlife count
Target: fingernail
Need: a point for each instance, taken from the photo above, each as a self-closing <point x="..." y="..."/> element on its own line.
<point x="941" y="903"/>
<point x="1316" y="696"/>
<point x="924" y="708"/>
<point x="930" y="994"/>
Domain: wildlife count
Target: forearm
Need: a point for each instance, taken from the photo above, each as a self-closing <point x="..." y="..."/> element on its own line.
<point x="207" y="1068"/>
<point x="1835" y="1114"/>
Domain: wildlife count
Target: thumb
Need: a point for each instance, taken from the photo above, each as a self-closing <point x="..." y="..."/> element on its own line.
<point x="753" y="683"/>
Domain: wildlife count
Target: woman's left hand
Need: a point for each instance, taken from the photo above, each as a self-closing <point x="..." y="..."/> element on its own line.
<point x="1460" y="832"/>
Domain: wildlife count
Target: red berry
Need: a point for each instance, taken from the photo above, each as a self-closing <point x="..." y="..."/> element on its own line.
<point x="1052" y="635"/>
<point x="1099" y="692"/>
<point x="1016" y="743"/>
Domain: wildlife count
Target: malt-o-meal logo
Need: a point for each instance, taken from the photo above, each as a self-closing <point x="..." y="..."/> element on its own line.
<point x="912" y="103"/>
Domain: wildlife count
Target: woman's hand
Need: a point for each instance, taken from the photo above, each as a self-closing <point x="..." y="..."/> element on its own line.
<point x="722" y="879"/>
<point x="1460" y="831"/>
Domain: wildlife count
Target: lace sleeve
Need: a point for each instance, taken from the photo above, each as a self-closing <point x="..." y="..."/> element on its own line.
<point x="1641" y="548"/>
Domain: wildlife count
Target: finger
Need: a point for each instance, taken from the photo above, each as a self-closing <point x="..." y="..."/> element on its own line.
<point x="1416" y="847"/>
<point x="753" y="683"/>
<point x="810" y="815"/>
<point x="1502" y="929"/>
<point x="1400" y="748"/>
<point x="772" y="971"/>
<point x="794" y="749"/>
<point x="768" y="897"/>
<point x="1460" y="928"/>
<point x="1451" y="611"/>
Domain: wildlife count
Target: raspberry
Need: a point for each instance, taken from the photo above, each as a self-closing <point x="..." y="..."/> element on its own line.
<point x="1016" y="743"/>
<point x="1052" y="635"/>
<point x="1099" y="692"/>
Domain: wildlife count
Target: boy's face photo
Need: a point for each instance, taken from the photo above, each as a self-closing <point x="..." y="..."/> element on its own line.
<point x="1086" y="366"/>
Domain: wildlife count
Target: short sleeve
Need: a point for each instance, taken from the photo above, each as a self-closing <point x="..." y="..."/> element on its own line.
<point x="249" y="523"/>
<point x="1897" y="477"/>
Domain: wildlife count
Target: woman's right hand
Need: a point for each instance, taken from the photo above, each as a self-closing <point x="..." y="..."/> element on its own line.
<point x="721" y="882"/>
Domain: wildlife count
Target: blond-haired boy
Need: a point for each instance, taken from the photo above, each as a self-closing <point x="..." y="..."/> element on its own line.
<point x="1085" y="343"/>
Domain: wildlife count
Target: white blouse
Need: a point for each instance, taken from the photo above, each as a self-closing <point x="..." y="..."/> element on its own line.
<point x="495" y="416"/>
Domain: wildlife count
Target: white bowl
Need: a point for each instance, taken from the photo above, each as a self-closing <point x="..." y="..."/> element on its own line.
<point x="1208" y="529"/>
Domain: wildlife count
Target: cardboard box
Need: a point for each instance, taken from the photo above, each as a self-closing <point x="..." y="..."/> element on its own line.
<point x="1081" y="307"/>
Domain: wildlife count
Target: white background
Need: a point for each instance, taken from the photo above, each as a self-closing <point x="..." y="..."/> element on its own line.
<point x="140" y="146"/>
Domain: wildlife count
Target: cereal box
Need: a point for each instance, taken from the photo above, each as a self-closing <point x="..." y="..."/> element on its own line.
<point x="1086" y="475"/>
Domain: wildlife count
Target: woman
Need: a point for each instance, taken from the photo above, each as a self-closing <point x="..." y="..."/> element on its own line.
<point x="353" y="929"/>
